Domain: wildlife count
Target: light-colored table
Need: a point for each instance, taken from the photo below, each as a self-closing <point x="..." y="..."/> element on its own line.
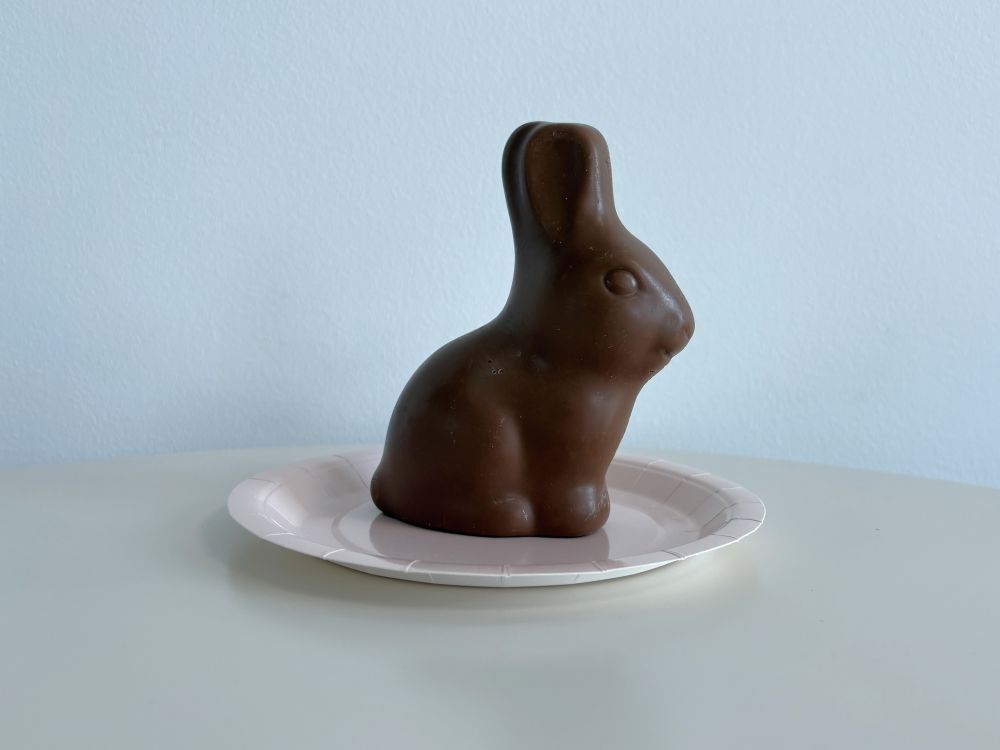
<point x="136" y="614"/>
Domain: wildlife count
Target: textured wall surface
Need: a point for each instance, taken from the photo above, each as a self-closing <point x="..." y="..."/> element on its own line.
<point x="241" y="225"/>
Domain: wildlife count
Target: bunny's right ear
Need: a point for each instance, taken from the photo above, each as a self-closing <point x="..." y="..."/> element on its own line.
<point x="556" y="177"/>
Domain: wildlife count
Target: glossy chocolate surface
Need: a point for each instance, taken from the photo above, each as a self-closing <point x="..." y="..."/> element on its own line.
<point x="509" y="430"/>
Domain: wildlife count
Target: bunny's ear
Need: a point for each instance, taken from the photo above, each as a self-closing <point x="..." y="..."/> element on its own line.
<point x="556" y="176"/>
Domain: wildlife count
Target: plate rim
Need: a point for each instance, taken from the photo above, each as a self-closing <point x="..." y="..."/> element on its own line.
<point x="244" y="502"/>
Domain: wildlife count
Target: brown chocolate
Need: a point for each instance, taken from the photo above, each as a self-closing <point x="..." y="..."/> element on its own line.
<point x="509" y="430"/>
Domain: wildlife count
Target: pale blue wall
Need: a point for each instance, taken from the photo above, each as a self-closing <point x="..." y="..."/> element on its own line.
<point x="246" y="224"/>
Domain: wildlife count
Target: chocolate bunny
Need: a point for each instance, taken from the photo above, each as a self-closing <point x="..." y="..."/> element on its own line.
<point x="509" y="430"/>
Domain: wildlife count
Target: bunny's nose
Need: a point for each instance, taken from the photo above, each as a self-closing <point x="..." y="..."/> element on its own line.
<point x="688" y="328"/>
<point x="683" y="337"/>
<point x="682" y="334"/>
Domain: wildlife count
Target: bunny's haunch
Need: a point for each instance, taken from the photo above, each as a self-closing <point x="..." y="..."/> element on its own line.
<point x="509" y="430"/>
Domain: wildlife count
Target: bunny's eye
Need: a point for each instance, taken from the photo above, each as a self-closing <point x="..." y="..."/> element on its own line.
<point x="621" y="282"/>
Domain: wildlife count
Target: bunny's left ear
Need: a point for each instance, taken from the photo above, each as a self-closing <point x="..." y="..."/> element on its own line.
<point x="557" y="176"/>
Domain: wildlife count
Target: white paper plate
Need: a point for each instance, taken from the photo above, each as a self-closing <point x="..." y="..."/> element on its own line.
<point x="661" y="512"/>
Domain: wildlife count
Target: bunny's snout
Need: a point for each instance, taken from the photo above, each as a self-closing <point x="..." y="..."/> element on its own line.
<point x="685" y="333"/>
<point x="677" y="342"/>
<point x="680" y="327"/>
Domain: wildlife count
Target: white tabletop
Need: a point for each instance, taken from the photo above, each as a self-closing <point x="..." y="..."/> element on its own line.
<point x="137" y="614"/>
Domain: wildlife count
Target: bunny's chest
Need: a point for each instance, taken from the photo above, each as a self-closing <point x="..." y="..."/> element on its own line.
<point x="570" y="410"/>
